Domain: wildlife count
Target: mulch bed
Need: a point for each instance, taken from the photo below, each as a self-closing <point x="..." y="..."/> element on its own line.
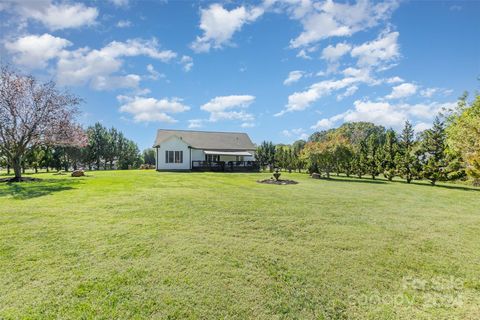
<point x="22" y="179"/>
<point x="277" y="182"/>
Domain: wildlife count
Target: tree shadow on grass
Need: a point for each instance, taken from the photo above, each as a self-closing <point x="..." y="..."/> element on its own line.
<point x="35" y="189"/>
<point x="381" y="180"/>
<point x="445" y="186"/>
<point x="355" y="180"/>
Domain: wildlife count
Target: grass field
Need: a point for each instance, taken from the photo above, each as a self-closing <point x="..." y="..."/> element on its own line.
<point x="142" y="244"/>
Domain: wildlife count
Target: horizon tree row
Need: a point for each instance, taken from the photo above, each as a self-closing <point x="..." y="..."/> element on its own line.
<point x="449" y="150"/>
<point x="103" y="149"/>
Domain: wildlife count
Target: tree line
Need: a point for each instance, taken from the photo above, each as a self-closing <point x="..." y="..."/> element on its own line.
<point x="103" y="149"/>
<point x="38" y="129"/>
<point x="449" y="150"/>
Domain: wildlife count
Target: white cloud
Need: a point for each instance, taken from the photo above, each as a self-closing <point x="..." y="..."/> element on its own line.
<point x="298" y="133"/>
<point x="84" y="66"/>
<point x="421" y="126"/>
<point x="124" y="24"/>
<point x="293" y="76"/>
<point x="120" y="3"/>
<point x="219" y="25"/>
<point x="229" y="108"/>
<point x="187" y="63"/>
<point x="376" y="112"/>
<point x="195" y="123"/>
<point x="333" y="53"/>
<point x="136" y="47"/>
<point x="349" y="92"/>
<point x="323" y="124"/>
<point x="154" y="74"/>
<point x="102" y="68"/>
<point x="57" y="16"/>
<point x="402" y="91"/>
<point x="386" y="114"/>
<point x="35" y="51"/>
<point x="150" y="109"/>
<point x="303" y="54"/>
<point x="394" y="80"/>
<point x="299" y="101"/>
<point x="247" y="125"/>
<point x="428" y="92"/>
<point x="330" y="19"/>
<point x="114" y="82"/>
<point x="376" y="53"/>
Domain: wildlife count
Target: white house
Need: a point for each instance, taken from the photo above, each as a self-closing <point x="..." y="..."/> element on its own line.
<point x="204" y="150"/>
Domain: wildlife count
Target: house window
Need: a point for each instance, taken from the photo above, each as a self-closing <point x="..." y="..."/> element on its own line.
<point x="173" y="156"/>
<point x="212" y="157"/>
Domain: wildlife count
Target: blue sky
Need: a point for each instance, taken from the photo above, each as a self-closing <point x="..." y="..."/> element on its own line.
<point x="279" y="70"/>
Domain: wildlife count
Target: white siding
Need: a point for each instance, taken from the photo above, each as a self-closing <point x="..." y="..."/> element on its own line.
<point x="173" y="144"/>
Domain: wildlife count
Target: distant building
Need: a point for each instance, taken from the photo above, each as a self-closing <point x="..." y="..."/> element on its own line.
<point x="204" y="151"/>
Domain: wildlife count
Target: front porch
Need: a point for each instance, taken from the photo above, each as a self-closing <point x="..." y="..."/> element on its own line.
<point x="226" y="166"/>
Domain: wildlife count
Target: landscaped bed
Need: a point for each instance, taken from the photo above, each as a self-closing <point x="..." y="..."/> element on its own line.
<point x="143" y="244"/>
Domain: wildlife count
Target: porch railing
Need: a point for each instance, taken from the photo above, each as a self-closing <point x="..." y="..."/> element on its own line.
<point x="227" y="166"/>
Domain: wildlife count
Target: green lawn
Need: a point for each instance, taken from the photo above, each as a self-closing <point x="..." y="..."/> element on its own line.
<point x="142" y="244"/>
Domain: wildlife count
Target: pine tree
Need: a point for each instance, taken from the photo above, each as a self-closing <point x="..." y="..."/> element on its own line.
<point x="373" y="155"/>
<point x="389" y="151"/>
<point x="360" y="160"/>
<point x="434" y="164"/>
<point x="406" y="161"/>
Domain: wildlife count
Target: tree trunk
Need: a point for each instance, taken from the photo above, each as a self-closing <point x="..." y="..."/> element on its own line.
<point x="17" y="167"/>
<point x="8" y="169"/>
<point x="36" y="169"/>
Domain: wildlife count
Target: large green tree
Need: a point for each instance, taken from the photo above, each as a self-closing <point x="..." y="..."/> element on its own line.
<point x="265" y="154"/>
<point x="463" y="135"/>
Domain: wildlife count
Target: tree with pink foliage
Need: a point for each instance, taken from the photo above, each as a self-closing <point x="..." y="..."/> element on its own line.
<point x="33" y="114"/>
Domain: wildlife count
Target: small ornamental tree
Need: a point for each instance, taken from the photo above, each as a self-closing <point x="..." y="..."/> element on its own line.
<point x="33" y="114"/>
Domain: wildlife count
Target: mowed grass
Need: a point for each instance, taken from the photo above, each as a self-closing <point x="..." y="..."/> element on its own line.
<point x="143" y="244"/>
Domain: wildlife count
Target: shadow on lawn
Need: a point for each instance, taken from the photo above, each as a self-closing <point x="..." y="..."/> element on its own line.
<point x="355" y="180"/>
<point x="452" y="187"/>
<point x="35" y="189"/>
<point x="380" y="180"/>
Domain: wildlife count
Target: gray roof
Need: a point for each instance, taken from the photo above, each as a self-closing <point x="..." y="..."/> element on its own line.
<point x="208" y="140"/>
